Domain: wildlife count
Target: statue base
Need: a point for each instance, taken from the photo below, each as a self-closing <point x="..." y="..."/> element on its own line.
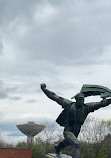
<point x="50" y="155"/>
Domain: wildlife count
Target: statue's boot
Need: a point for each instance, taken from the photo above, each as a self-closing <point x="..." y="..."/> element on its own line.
<point x="76" y="152"/>
<point x="57" y="149"/>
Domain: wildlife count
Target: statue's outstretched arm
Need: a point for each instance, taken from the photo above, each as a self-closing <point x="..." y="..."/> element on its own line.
<point x="96" y="105"/>
<point x="54" y="97"/>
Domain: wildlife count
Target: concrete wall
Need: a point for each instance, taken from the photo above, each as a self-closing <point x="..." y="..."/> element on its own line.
<point x="15" y="153"/>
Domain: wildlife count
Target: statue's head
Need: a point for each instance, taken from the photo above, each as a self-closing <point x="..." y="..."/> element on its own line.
<point x="79" y="97"/>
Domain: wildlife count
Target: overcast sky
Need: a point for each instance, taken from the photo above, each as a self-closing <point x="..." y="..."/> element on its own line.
<point x="63" y="43"/>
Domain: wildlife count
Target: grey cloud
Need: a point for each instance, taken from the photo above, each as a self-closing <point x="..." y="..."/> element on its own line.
<point x="5" y="91"/>
<point x="69" y="37"/>
<point x="11" y="128"/>
<point x="13" y="9"/>
<point x="31" y="101"/>
<point x="1" y="47"/>
<point x="7" y="126"/>
<point x="11" y="90"/>
<point x="75" y="34"/>
<point x="3" y="95"/>
<point x="1" y="114"/>
<point x="15" y="98"/>
<point x="72" y="35"/>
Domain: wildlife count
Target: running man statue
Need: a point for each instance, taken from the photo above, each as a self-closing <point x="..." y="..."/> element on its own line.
<point x="75" y="113"/>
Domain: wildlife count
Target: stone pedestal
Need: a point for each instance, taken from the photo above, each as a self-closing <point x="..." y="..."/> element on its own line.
<point x="50" y="155"/>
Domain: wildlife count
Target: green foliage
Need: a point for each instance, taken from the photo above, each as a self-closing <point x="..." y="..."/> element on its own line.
<point x="102" y="155"/>
<point x="39" y="148"/>
<point x="38" y="151"/>
<point x="21" y="145"/>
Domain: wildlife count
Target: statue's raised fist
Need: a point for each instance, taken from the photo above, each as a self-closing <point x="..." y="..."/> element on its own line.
<point x="43" y="86"/>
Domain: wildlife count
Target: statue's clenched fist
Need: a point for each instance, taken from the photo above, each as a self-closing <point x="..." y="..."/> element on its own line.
<point x="43" y="86"/>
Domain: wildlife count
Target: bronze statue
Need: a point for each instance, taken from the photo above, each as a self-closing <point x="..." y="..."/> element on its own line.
<point x="75" y="113"/>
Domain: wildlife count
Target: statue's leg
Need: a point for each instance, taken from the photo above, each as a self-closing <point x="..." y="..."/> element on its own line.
<point x="61" y="145"/>
<point x="72" y="140"/>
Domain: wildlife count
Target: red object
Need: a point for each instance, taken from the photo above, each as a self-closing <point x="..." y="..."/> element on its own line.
<point x="15" y="153"/>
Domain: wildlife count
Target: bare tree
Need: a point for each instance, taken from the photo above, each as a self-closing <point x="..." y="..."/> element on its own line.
<point x="93" y="132"/>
